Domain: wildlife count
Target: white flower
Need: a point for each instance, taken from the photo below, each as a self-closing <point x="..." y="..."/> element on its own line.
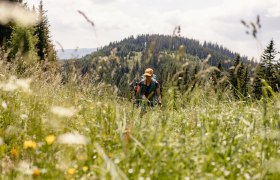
<point x="28" y="169"/>
<point x="14" y="84"/>
<point x="63" y="112"/>
<point x="24" y="84"/>
<point x="1" y="141"/>
<point x="70" y="138"/>
<point x="8" y="87"/>
<point x="23" y="116"/>
<point x="25" y="168"/>
<point x="4" y="105"/>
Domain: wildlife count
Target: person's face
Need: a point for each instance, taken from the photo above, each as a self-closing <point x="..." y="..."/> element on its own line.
<point x="148" y="78"/>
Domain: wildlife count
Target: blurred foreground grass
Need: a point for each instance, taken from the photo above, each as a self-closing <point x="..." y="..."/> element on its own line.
<point x="54" y="131"/>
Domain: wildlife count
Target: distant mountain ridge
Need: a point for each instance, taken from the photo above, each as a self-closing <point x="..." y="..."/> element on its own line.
<point x="74" y="53"/>
<point x="172" y="58"/>
<point x="159" y="43"/>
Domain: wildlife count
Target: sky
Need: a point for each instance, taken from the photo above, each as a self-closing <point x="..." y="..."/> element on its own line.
<point x="216" y="21"/>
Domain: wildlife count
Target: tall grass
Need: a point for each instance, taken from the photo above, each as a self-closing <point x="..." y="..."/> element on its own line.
<point x="56" y="131"/>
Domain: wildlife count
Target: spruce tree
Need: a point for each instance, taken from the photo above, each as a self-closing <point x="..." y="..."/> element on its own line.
<point x="257" y="84"/>
<point x="45" y="47"/>
<point x="239" y="78"/>
<point x="269" y="63"/>
<point x="268" y="56"/>
<point x="22" y="48"/>
<point x="23" y="41"/>
<point x="217" y="76"/>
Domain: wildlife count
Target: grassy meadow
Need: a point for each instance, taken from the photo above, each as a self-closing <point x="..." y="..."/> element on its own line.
<point x="51" y="130"/>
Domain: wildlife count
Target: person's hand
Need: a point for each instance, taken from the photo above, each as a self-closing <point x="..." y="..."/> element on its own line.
<point x="159" y="103"/>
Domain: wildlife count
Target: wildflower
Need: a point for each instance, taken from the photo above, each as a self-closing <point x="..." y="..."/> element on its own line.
<point x="130" y="171"/>
<point x="50" y="139"/>
<point x="71" y="171"/>
<point x="85" y="168"/>
<point x="69" y="138"/>
<point x="23" y="116"/>
<point x="1" y="141"/>
<point x="36" y="172"/>
<point x="29" y="144"/>
<point x="14" y="84"/>
<point x="24" y="84"/>
<point x="63" y="112"/>
<point x="4" y="105"/>
<point x="14" y="152"/>
<point x="25" y="168"/>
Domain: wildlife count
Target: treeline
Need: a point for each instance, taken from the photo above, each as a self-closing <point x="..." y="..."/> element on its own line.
<point x="170" y="43"/>
<point x="31" y="42"/>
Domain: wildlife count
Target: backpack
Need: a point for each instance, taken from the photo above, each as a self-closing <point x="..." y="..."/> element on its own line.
<point x="136" y="82"/>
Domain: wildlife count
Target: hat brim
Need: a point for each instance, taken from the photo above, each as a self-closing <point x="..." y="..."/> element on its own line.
<point x="147" y="74"/>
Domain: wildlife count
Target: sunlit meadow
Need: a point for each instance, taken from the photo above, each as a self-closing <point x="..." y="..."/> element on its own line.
<point x="51" y="130"/>
<point x="56" y="131"/>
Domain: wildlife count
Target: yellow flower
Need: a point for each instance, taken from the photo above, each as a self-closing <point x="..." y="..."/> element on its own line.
<point x="71" y="171"/>
<point x="85" y="168"/>
<point x="14" y="152"/>
<point x="29" y="144"/>
<point x="50" y="139"/>
<point x="36" y="172"/>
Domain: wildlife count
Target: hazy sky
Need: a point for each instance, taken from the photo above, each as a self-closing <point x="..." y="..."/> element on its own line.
<point x="211" y="20"/>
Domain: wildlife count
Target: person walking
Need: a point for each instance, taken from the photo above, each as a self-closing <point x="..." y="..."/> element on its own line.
<point x="148" y="89"/>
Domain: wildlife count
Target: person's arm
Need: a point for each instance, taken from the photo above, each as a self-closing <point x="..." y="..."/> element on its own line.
<point x="138" y="90"/>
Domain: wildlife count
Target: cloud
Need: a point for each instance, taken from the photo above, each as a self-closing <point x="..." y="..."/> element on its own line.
<point x="103" y="1"/>
<point x="214" y="20"/>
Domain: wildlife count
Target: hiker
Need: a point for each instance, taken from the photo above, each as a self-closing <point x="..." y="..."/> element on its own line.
<point x="149" y="89"/>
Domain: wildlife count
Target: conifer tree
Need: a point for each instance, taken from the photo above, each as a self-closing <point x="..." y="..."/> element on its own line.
<point x="239" y="78"/>
<point x="269" y="63"/>
<point x="217" y="76"/>
<point x="267" y="70"/>
<point x="23" y="41"/>
<point x="268" y="56"/>
<point x="257" y="84"/>
<point x="45" y="47"/>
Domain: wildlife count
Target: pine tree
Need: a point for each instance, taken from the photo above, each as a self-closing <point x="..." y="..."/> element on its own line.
<point x="245" y="82"/>
<point x="269" y="63"/>
<point x="22" y="40"/>
<point x="45" y="47"/>
<point x="217" y="76"/>
<point x="257" y="84"/>
<point x="268" y="56"/>
<point x="239" y="78"/>
<point x="23" y="43"/>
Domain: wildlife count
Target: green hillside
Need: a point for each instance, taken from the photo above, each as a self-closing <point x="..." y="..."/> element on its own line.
<point x="169" y="43"/>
